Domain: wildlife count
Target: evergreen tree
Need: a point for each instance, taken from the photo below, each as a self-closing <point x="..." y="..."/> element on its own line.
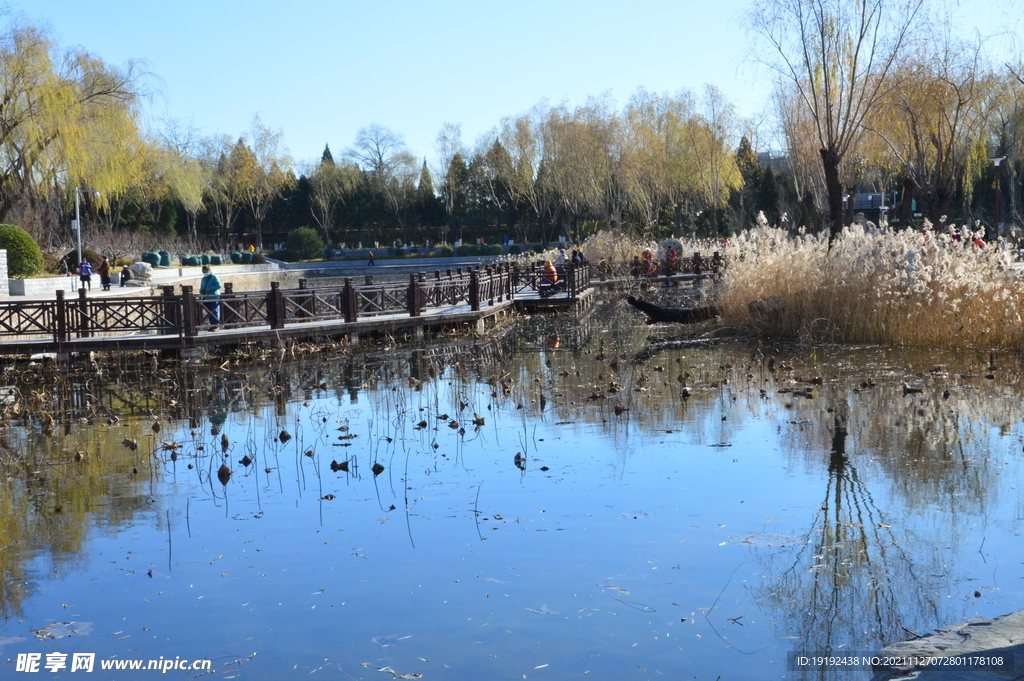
<point x="327" y="157"/>
<point x="767" y="196"/>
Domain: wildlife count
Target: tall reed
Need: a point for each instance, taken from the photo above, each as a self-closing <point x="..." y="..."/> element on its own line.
<point x="873" y="286"/>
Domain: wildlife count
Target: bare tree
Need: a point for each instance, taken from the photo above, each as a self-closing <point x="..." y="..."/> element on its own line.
<point x="392" y="170"/>
<point x="839" y="55"/>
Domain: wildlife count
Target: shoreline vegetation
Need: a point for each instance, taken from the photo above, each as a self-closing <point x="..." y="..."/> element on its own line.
<point x="872" y="286"/>
<point x="877" y="287"/>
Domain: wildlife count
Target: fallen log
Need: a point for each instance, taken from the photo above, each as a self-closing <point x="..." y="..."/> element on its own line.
<point x="673" y="315"/>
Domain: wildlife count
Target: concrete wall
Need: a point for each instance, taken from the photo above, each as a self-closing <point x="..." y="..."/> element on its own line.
<point x="46" y="287"/>
<point x="4" y="287"/>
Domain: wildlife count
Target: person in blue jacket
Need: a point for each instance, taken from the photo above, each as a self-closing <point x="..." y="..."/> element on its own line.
<point x="209" y="289"/>
<point x="85" y="274"/>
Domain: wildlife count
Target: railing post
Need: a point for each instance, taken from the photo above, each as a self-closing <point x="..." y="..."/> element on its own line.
<point x="275" y="306"/>
<point x="412" y="302"/>
<point x="302" y="283"/>
<point x="60" y="316"/>
<point x="172" y="310"/>
<point x="189" y="312"/>
<point x="348" y="304"/>
<point x="83" y="314"/>
<point x="570" y="275"/>
<point x="474" y="291"/>
<point x="368" y="279"/>
<point x="228" y="313"/>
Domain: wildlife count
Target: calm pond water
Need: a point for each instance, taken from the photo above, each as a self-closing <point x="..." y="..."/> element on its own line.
<point x="575" y="501"/>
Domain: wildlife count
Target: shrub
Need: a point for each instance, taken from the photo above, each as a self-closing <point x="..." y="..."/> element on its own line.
<point x="495" y="249"/>
<point x="259" y="259"/>
<point x="246" y="257"/>
<point x="24" y="257"/>
<point x="204" y="259"/>
<point x="216" y="260"/>
<point x="123" y="261"/>
<point x="94" y="257"/>
<point x="539" y="249"/>
<point x="514" y="250"/>
<point x="147" y="257"/>
<point x="51" y="264"/>
<point x="283" y="255"/>
<point x="447" y="252"/>
<point x="236" y="257"/>
<point x="305" y="243"/>
<point x="165" y="259"/>
<point x="397" y="252"/>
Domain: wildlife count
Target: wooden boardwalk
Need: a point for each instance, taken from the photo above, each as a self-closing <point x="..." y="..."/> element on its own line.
<point x="179" y="321"/>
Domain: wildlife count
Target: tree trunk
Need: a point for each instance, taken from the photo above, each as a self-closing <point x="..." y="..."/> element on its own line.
<point x="906" y="204"/>
<point x="830" y="164"/>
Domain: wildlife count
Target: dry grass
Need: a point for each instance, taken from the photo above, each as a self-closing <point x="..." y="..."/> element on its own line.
<point x="890" y="288"/>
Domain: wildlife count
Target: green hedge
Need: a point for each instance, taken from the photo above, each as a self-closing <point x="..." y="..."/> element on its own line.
<point x="236" y="257"/>
<point x="304" y="243"/>
<point x="165" y="259"/>
<point x="246" y="257"/>
<point x="151" y="258"/>
<point x="24" y="257"/>
<point x="216" y="260"/>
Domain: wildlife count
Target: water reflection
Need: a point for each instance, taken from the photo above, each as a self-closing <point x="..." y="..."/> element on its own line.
<point x="601" y="495"/>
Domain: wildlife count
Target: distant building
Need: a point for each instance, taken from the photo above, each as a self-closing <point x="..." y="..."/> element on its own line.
<point x="870" y="205"/>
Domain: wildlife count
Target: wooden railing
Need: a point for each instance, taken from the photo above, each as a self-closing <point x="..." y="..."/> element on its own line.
<point x="185" y="314"/>
<point x="639" y="268"/>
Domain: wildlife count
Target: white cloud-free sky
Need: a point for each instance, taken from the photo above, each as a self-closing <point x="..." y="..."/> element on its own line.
<point x="319" y="70"/>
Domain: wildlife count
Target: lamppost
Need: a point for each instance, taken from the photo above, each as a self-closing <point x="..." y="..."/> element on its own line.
<point x="78" y="221"/>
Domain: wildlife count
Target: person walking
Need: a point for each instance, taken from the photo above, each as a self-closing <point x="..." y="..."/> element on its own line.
<point x="85" y="274"/>
<point x="371" y="260"/>
<point x="209" y="289"/>
<point x="104" y="271"/>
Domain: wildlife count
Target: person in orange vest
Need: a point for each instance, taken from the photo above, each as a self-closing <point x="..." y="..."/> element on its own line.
<point x="550" y="273"/>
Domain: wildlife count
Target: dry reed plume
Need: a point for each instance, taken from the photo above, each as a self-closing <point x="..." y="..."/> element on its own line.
<point x="874" y="286"/>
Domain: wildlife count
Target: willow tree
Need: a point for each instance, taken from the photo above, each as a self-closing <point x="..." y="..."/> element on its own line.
<point x="642" y="171"/>
<point x="65" y="117"/>
<point x="266" y="173"/>
<point x="935" y="121"/>
<point x="709" y="136"/>
<point x="578" y="160"/>
<point x="229" y="176"/>
<point x="839" y="56"/>
<point x="330" y="186"/>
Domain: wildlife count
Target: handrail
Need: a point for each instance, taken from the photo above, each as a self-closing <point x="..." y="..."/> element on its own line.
<point x="186" y="314"/>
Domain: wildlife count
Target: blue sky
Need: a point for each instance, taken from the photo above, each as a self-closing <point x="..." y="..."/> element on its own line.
<point x="320" y="70"/>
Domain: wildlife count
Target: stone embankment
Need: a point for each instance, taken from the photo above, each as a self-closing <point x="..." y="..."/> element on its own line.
<point x="975" y="645"/>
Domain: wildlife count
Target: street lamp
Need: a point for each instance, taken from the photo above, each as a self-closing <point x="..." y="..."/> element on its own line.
<point x="78" y="220"/>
